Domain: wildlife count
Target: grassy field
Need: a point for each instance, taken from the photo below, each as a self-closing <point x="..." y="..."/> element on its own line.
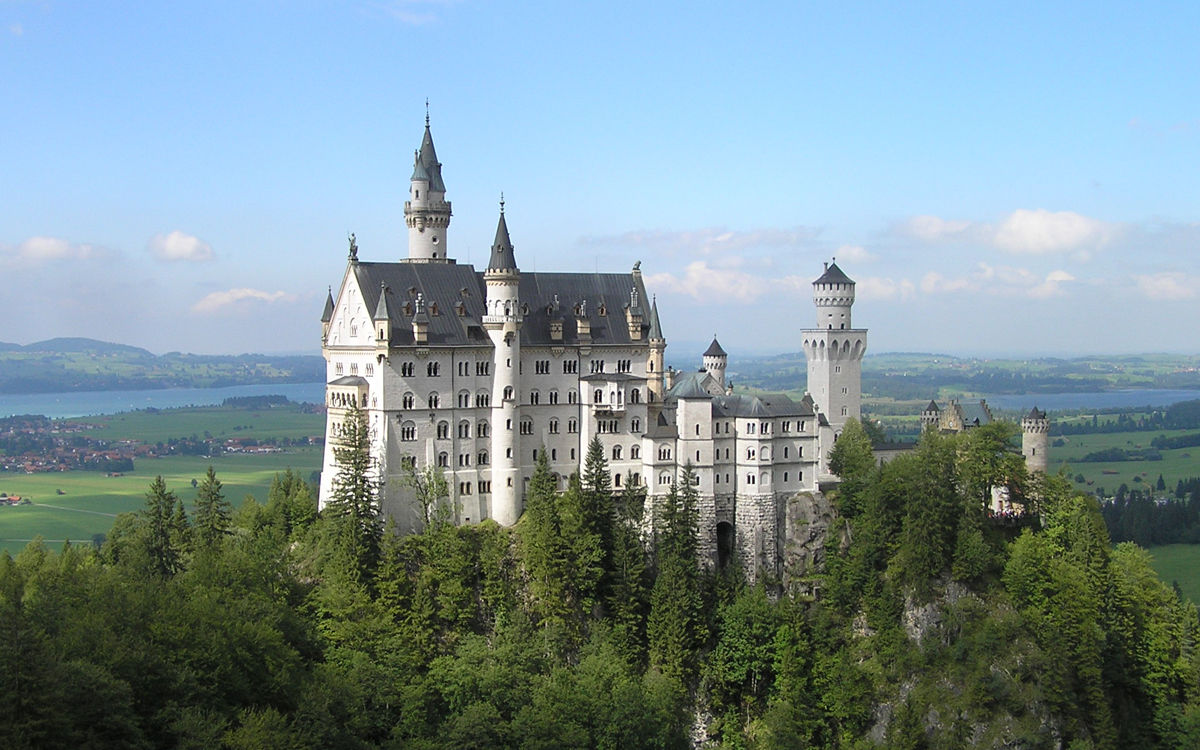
<point x="1176" y="464"/>
<point x="91" y="500"/>
<point x="1179" y="563"/>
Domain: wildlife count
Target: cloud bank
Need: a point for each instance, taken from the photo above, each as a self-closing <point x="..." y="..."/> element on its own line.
<point x="178" y="246"/>
<point x="233" y="299"/>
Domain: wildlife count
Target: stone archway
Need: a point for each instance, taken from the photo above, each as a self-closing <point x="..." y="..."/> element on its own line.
<point x="725" y="545"/>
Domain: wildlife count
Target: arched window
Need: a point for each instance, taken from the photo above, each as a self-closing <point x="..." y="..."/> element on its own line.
<point x="616" y="479"/>
<point x="635" y="396"/>
<point x="483" y="399"/>
<point x="664" y="452"/>
<point x="464" y="399"/>
<point x="443" y="459"/>
<point x="508" y="393"/>
<point x="443" y="430"/>
<point x="635" y="425"/>
<point x="481" y="429"/>
<point x="553" y="395"/>
<point x="464" y="429"/>
<point x="572" y="397"/>
<point x="435" y="401"/>
<point x="554" y="426"/>
<point x="845" y="411"/>
<point x="408" y="431"/>
<point x="616" y="453"/>
<point x="635" y="451"/>
<point x="431" y="369"/>
<point x="409" y="400"/>
<point x="535" y="397"/>
<point x="483" y="458"/>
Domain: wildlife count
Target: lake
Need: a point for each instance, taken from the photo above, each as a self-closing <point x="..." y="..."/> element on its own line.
<point x="1104" y="400"/>
<point x="91" y="403"/>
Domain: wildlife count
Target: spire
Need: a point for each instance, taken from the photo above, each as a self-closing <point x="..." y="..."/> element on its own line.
<point x="833" y="275"/>
<point x="328" y="314"/>
<point x="419" y="172"/>
<point x="655" y="332"/>
<point x="502" y="249"/>
<point x="381" y="310"/>
<point x="428" y="158"/>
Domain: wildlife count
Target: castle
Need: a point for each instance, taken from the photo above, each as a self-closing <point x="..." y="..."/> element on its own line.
<point x="476" y="372"/>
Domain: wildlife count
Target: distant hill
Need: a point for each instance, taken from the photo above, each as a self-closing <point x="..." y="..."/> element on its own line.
<point x="80" y="364"/>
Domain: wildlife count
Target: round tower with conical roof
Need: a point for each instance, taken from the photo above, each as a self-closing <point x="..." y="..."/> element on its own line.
<point x="427" y="212"/>
<point x="715" y="360"/>
<point x="834" y="349"/>
<point x="503" y="325"/>
<point x="1035" y="440"/>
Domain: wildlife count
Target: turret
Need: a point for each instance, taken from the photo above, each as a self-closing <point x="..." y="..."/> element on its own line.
<point x="383" y="322"/>
<point x="1035" y="439"/>
<point x="503" y="325"/>
<point x="833" y="295"/>
<point x="658" y="345"/>
<point x="715" y="360"/>
<point x="427" y="212"/>
<point x="327" y="316"/>
<point x="931" y="416"/>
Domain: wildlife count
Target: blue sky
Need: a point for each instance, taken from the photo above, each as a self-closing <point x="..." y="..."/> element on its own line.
<point x="1001" y="178"/>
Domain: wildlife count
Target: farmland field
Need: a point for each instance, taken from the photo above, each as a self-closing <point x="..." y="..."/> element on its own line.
<point x="1177" y="464"/>
<point x="1179" y="563"/>
<point x="91" y="500"/>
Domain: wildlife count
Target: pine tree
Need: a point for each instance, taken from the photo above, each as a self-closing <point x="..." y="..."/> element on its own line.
<point x="212" y="512"/>
<point x="543" y="546"/>
<point x="627" y="599"/>
<point x="160" y="530"/>
<point x="354" y="499"/>
<point x="598" y="498"/>
<point x="674" y="627"/>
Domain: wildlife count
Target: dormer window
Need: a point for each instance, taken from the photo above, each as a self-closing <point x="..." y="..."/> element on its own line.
<point x="603" y="311"/>
<point x="461" y="309"/>
<point x="408" y="309"/>
<point x="433" y="309"/>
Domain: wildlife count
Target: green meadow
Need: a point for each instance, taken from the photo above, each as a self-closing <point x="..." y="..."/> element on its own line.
<point x="1179" y="563"/>
<point x="1182" y="463"/>
<point x="91" y="500"/>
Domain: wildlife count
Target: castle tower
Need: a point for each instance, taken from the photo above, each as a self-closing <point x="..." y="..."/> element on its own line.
<point x="931" y="416"/>
<point x="715" y="360"/>
<point x="427" y="212"/>
<point x="503" y="324"/>
<point x="1035" y="440"/>
<point x="834" y="350"/>
<point x="658" y="345"/>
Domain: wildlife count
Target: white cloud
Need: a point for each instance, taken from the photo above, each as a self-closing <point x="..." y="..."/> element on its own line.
<point x="999" y="280"/>
<point x="36" y="251"/>
<point x="1168" y="285"/>
<point x="710" y="284"/>
<point x="1041" y="231"/>
<point x="233" y="298"/>
<point x="935" y="283"/>
<point x="1024" y="231"/>
<point x="180" y="246"/>
<point x="709" y="241"/>
<point x="854" y="254"/>
<point x="875" y="288"/>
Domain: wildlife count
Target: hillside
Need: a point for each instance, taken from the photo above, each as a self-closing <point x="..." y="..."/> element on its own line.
<point x="80" y="364"/>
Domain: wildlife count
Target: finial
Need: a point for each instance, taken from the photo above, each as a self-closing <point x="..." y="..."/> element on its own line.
<point x="427" y="111"/>
<point x="834" y="259"/>
<point x="353" y="247"/>
<point x="501" y="202"/>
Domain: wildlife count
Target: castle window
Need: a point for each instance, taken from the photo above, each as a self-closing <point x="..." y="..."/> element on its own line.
<point x="785" y="476"/>
<point x="464" y="399"/>
<point x="749" y="453"/>
<point x="635" y="451"/>
<point x="637" y="479"/>
<point x="837" y="368"/>
<point x="433" y="369"/>
<point x="435" y="401"/>
<point x="845" y="411"/>
<point x="635" y="425"/>
<point x="616" y="453"/>
<point x="370" y="369"/>
<point x="338" y="368"/>
<point x="697" y="456"/>
<point x="484" y="488"/>
<point x="508" y="454"/>
<point x="406" y="369"/>
<point x="572" y="427"/>
<point x="603" y="311"/>
<point x="572" y="397"/>
<point x="664" y="453"/>
<point x="800" y="451"/>
<point x="408" y="309"/>
<point x="483" y="399"/>
<point x="787" y="426"/>
<point x="554" y="456"/>
<point x="623" y="365"/>
<point x="483" y="368"/>
<point x="508" y="424"/>
<point x="598" y="396"/>
<point x="635" y="396"/>
<point x="508" y="393"/>
<point x="464" y="429"/>
<point x="553" y="395"/>
<point x="481" y="429"/>
<point x="525" y="309"/>
<point x="553" y="426"/>
<point x="785" y="451"/>
<point x="443" y="460"/>
<point x="572" y="454"/>
<point x="697" y="430"/>
<point x="802" y="424"/>
<point x="570" y="367"/>
<point x="408" y="461"/>
<point x="535" y="397"/>
<point x="461" y="309"/>
<point x="409" y="400"/>
<point x="443" y="430"/>
<point x="464" y="459"/>
<point x="353" y="368"/>
<point x="408" y="432"/>
<point x="535" y="455"/>
<point x="845" y="391"/>
<point x="353" y="328"/>
<point x="749" y="428"/>
<point x="526" y="426"/>
<point x="664" y="478"/>
<point x="482" y="460"/>
<point x="617" y="479"/>
<point x="749" y="479"/>
<point x="542" y="367"/>
<point x="597" y="366"/>
<point x="766" y="428"/>
<point x="433" y="309"/>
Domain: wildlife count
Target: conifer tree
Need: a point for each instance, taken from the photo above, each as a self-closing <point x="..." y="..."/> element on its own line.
<point x="354" y="499"/>
<point x="673" y="629"/>
<point x="627" y="598"/>
<point x="597" y="499"/>
<point x="161" y="533"/>
<point x="212" y="512"/>
<point x="543" y="546"/>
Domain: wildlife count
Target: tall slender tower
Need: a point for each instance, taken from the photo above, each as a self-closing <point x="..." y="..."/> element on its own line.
<point x="503" y="324"/>
<point x="715" y="361"/>
<point x="427" y="212"/>
<point x="655" y="363"/>
<point x="835" y="349"/>
<point x="1035" y="440"/>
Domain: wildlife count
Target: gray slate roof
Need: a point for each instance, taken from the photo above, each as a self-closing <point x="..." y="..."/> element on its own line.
<point x="975" y="413"/>
<point x="833" y="275"/>
<point x="655" y="326"/>
<point x="715" y="350"/>
<point x="428" y="159"/>
<point x="1035" y="413"/>
<point x="328" y="314"/>
<point x="932" y="407"/>
<point x="502" y="249"/>
<point x="761" y="406"/>
<point x="381" y="310"/>
<point x="449" y="285"/>
<point x="349" y="380"/>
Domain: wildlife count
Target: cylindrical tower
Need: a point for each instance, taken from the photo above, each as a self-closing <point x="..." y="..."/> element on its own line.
<point x="715" y="361"/>
<point x="503" y="324"/>
<point x="1035" y="440"/>
<point x="833" y="295"/>
<point x="655" y="364"/>
<point x="427" y="212"/>
<point x="931" y="416"/>
<point x="834" y="350"/>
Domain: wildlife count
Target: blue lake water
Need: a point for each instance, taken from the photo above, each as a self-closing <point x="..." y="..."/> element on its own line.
<point x="91" y="403"/>
<point x="1105" y="400"/>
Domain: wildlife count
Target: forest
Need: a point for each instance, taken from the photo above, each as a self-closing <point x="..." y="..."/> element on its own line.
<point x="594" y="624"/>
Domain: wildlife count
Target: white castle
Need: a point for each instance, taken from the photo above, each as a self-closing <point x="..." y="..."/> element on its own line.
<point x="475" y="372"/>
